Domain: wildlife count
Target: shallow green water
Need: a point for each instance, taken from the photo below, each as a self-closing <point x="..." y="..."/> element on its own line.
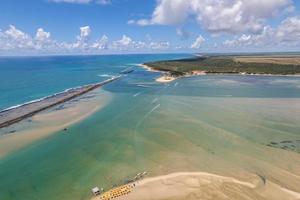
<point x="218" y="124"/>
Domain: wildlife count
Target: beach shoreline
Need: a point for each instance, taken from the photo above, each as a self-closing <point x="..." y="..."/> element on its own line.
<point x="147" y="68"/>
<point x="166" y="77"/>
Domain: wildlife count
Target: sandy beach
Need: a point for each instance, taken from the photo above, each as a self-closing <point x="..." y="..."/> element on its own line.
<point x="201" y="185"/>
<point x="48" y="122"/>
<point x="147" y="68"/>
<point x="165" y="79"/>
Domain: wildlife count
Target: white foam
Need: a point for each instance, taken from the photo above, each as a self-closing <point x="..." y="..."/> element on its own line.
<point x="137" y="94"/>
<point x="105" y="75"/>
<point x="53" y="95"/>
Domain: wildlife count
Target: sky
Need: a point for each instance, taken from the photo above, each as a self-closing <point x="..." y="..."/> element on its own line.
<point x="60" y="27"/>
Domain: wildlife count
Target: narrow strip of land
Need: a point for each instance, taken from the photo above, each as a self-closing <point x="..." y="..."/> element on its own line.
<point x="251" y="64"/>
<point x="11" y="116"/>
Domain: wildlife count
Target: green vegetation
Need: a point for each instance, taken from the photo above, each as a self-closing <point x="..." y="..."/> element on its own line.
<point x="225" y="64"/>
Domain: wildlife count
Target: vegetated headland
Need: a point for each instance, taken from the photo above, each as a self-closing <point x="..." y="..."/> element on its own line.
<point x="16" y="114"/>
<point x="229" y="64"/>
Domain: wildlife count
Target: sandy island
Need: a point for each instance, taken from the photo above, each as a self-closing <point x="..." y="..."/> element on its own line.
<point x="206" y="186"/>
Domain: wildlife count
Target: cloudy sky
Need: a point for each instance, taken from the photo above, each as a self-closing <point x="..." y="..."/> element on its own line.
<point x="41" y="27"/>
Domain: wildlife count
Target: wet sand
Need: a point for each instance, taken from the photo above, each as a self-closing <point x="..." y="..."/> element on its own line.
<point x="48" y="122"/>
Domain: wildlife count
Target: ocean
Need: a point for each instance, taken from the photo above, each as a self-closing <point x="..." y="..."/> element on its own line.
<point x="223" y="124"/>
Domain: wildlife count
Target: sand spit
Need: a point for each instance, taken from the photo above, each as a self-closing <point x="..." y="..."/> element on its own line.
<point x="11" y="116"/>
<point x="147" y="68"/>
<point x="201" y="185"/>
<point x="50" y="121"/>
<point x="167" y="77"/>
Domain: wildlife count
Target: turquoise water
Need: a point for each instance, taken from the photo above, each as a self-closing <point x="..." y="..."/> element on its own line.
<point x="220" y="124"/>
<point x="25" y="79"/>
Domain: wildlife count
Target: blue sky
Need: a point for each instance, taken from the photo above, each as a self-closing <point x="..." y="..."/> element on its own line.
<point x="147" y="26"/>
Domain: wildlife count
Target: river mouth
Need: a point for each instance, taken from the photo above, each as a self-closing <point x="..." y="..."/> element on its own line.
<point x="233" y="126"/>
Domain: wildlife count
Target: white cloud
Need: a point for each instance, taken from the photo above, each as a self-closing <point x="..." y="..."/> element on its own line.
<point x="16" y="41"/>
<point x="171" y="12"/>
<point x="14" y="38"/>
<point x="140" y="22"/>
<point x="131" y="21"/>
<point x="83" y="37"/>
<point x="127" y="43"/>
<point x="124" y="43"/>
<point x="159" y="45"/>
<point x="41" y="35"/>
<point x="218" y="16"/>
<point x="42" y="40"/>
<point x="16" y="34"/>
<point x="198" y="42"/>
<point x="85" y="32"/>
<point x="286" y="34"/>
<point x="102" y="43"/>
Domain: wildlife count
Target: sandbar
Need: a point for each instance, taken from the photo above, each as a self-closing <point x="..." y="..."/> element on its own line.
<point x="48" y="122"/>
<point x="16" y="114"/>
<point x="201" y="185"/>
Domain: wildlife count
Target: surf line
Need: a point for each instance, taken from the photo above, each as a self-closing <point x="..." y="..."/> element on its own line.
<point x="18" y="113"/>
